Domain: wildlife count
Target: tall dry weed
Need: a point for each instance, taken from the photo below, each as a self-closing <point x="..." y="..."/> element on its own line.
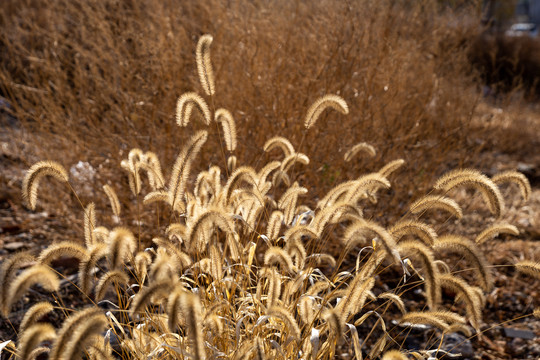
<point x="236" y="264"/>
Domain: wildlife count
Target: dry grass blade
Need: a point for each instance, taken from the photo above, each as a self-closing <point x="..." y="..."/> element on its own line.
<point x="378" y="347"/>
<point x="35" y="174"/>
<point x="204" y="65"/>
<point x="328" y="101"/>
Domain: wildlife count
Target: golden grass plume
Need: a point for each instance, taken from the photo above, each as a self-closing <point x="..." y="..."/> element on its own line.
<point x="204" y="65"/>
<point x="34" y="175"/>
<point x="37" y="274"/>
<point x="32" y="336"/>
<point x="75" y="333"/>
<point x="328" y="101"/>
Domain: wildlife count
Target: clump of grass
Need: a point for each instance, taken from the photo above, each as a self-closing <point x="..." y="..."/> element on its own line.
<point x="240" y="270"/>
<point x="76" y="70"/>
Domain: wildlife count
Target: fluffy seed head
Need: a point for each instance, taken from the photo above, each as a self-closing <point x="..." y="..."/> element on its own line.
<point x="281" y="143"/>
<point x="328" y="101"/>
<point x="76" y="331"/>
<point x="31" y="337"/>
<point x="184" y="108"/>
<point x="121" y="245"/>
<point x="37" y="274"/>
<point x="33" y="314"/>
<point x="431" y="202"/>
<point x="529" y="268"/>
<point x="35" y="174"/>
<point x="204" y="65"/>
<point x="516" y="178"/>
<point x="229" y="128"/>
<point x="473" y="178"/>
<point x="360" y="147"/>
<point x="113" y="199"/>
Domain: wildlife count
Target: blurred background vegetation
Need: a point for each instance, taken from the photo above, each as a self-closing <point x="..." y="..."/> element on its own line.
<point x="89" y="80"/>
